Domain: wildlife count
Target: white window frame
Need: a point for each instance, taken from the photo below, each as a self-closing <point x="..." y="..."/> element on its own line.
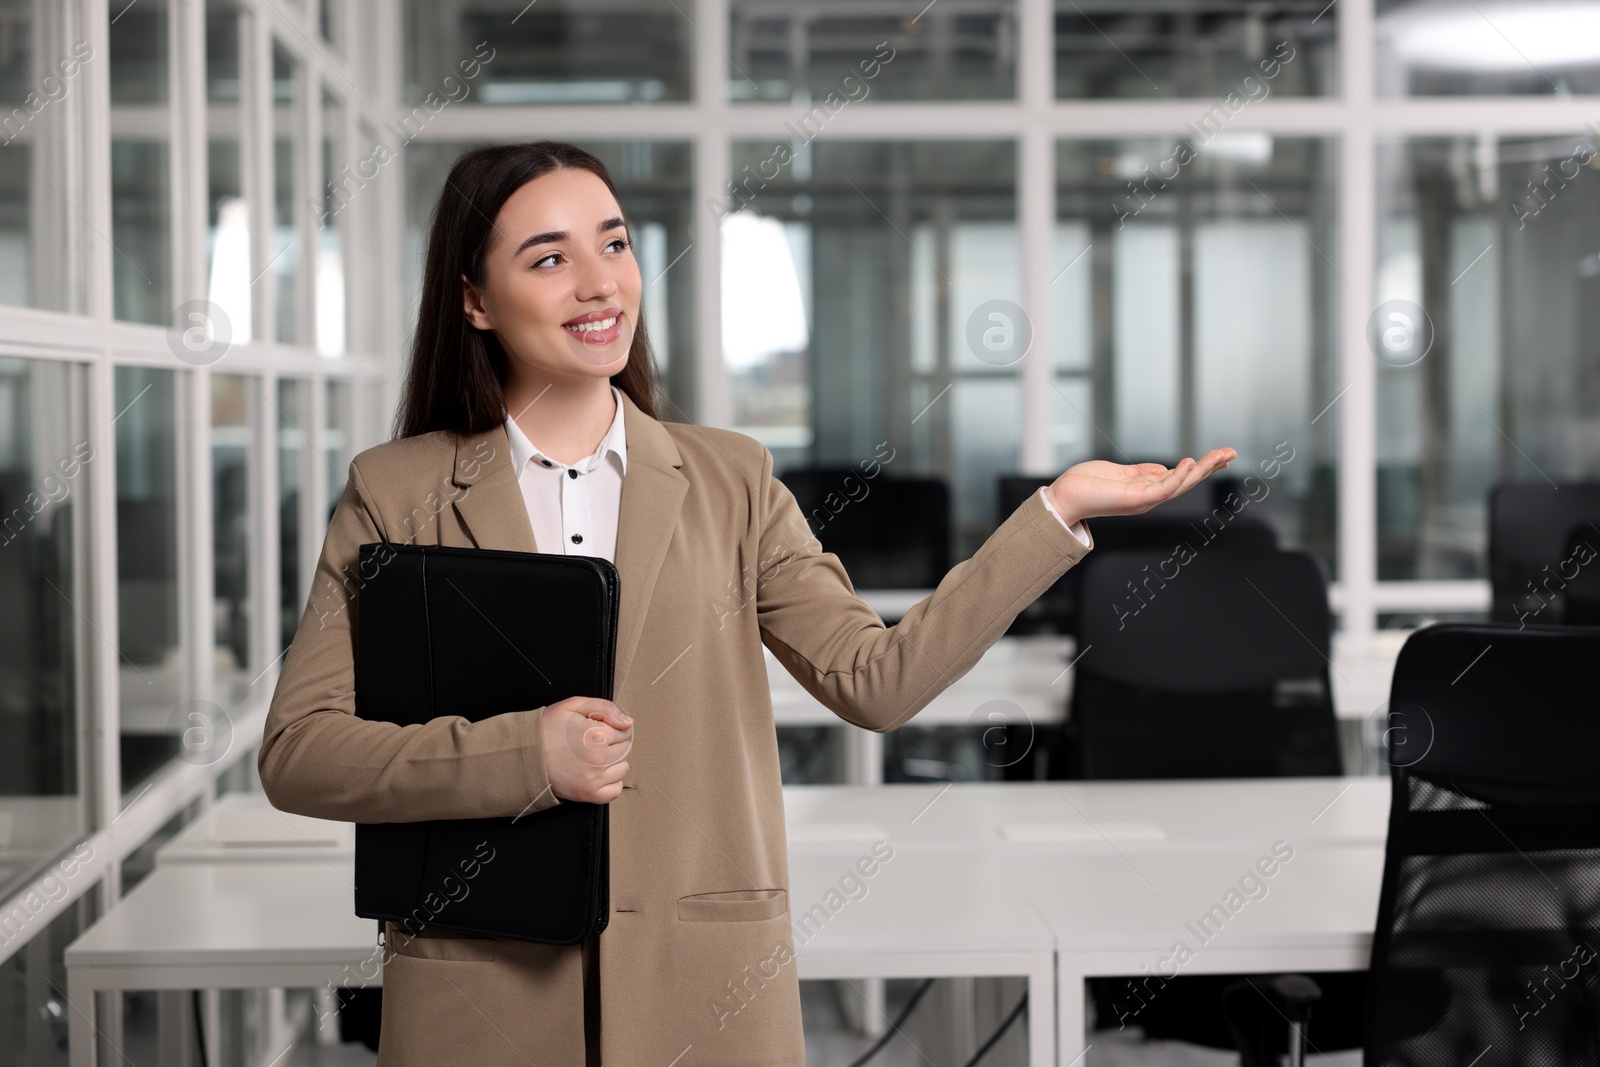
<point x="97" y="342"/>
<point x="1354" y="120"/>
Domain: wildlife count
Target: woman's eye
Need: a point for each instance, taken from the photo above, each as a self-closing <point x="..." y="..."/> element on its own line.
<point x="545" y="259"/>
<point x="621" y="242"/>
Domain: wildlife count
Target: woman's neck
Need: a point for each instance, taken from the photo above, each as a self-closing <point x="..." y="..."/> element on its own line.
<point x="564" y="420"/>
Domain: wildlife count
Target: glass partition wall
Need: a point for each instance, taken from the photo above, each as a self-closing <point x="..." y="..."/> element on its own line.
<point x="163" y="283"/>
<point x="993" y="236"/>
<point x="1003" y="236"/>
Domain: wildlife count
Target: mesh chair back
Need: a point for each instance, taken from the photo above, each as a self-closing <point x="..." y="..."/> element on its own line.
<point x="1487" y="944"/>
<point x="1213" y="667"/>
<point x="889" y="533"/>
<point x="1532" y="527"/>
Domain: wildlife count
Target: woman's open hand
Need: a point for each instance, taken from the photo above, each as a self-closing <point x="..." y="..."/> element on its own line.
<point x="1098" y="487"/>
<point x="586" y="742"/>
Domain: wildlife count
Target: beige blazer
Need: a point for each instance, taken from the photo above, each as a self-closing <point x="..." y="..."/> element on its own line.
<point x="696" y="966"/>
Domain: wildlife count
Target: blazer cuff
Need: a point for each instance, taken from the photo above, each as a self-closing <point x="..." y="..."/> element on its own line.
<point x="540" y="795"/>
<point x="1077" y="529"/>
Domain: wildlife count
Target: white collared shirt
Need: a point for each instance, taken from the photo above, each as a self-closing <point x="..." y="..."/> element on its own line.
<point x="573" y="508"/>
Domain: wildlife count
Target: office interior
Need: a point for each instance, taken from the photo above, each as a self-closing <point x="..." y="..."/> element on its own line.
<point x="930" y="255"/>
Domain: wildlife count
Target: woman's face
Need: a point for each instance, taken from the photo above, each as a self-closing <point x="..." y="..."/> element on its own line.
<point x="562" y="286"/>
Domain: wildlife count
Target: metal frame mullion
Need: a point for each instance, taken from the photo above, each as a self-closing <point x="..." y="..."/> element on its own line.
<point x="358" y="299"/>
<point x="713" y="392"/>
<point x="256" y="148"/>
<point x="190" y="215"/>
<point x="385" y="226"/>
<point x="314" y="480"/>
<point x="102" y="577"/>
<point x="1357" y="412"/>
<point x="1064" y="119"/>
<point x="267" y="574"/>
<point x="309" y="167"/>
<point x="1036" y="226"/>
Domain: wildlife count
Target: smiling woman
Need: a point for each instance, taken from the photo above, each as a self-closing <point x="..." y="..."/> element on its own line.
<point x="529" y="407"/>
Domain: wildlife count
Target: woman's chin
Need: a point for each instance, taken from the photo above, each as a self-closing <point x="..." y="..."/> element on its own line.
<point x="612" y="354"/>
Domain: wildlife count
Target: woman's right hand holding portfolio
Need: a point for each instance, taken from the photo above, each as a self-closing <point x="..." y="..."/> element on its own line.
<point x="586" y="742"/>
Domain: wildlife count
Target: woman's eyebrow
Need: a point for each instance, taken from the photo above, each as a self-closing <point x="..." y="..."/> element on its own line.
<point x="552" y="236"/>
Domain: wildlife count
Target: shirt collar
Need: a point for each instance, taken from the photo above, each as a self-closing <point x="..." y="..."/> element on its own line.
<point x="615" y="440"/>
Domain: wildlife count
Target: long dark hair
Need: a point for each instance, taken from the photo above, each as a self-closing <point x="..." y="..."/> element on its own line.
<point x="458" y="371"/>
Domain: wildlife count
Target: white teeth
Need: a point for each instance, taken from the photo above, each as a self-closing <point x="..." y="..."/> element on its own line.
<point x="590" y="327"/>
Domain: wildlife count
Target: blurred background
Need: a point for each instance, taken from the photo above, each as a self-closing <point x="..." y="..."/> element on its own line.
<point x="990" y="238"/>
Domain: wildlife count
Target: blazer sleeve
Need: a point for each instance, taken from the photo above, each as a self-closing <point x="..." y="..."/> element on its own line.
<point x="1079" y="530"/>
<point x="318" y="759"/>
<point x="837" y="647"/>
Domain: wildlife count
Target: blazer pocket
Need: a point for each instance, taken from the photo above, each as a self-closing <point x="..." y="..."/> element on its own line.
<point x="739" y="905"/>
<point x="433" y="943"/>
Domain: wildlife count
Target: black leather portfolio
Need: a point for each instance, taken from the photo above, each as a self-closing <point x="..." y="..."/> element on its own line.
<point x="476" y="633"/>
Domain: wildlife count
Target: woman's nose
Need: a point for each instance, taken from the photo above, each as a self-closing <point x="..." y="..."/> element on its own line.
<point x="595" y="281"/>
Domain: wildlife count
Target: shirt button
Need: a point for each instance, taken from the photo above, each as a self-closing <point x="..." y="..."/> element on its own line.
<point x="577" y="539"/>
<point x="572" y="473"/>
<point x="547" y="463"/>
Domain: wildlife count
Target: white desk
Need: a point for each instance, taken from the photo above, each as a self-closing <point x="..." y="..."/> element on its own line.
<point x="1089" y="816"/>
<point x="248" y="925"/>
<point x="1123" y="915"/>
<point x="246" y="828"/>
<point x="923" y="916"/>
<point x="222" y="926"/>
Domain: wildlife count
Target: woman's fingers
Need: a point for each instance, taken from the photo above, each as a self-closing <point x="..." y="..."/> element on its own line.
<point x="603" y="746"/>
<point x="1187" y="474"/>
<point x="606" y="785"/>
<point x="1198" y="472"/>
<point x="587" y="741"/>
<point x="602" y="709"/>
<point x="1169" y="484"/>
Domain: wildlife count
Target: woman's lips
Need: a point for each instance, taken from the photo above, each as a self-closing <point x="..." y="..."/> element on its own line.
<point x="589" y="335"/>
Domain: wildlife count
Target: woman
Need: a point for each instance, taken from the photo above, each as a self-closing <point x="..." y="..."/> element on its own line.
<point x="529" y="423"/>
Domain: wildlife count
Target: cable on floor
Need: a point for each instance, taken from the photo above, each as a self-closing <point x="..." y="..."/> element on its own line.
<point x="199" y="1027"/>
<point x="989" y="1044"/>
<point x="894" y="1027"/>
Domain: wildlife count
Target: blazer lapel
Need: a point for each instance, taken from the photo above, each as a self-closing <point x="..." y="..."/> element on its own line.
<point x="491" y="510"/>
<point x="652" y="496"/>
<point x="494" y="515"/>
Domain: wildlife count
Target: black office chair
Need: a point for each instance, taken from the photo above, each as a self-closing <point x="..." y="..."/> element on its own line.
<point x="1239" y="642"/>
<point x="1531" y="530"/>
<point x="1582" y="564"/>
<point x="1487" y="942"/>
<point x="1216" y="667"/>
<point x="1489" y="918"/>
<point x="888" y="532"/>
<point x="1202" y="522"/>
